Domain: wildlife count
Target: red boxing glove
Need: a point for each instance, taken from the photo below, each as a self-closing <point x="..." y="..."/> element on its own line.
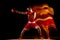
<point x="13" y="10"/>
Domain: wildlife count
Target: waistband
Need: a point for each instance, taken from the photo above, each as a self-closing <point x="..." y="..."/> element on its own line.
<point x="31" y="22"/>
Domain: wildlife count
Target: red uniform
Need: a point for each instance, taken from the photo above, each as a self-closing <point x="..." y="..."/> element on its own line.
<point x="31" y="21"/>
<point x="46" y="20"/>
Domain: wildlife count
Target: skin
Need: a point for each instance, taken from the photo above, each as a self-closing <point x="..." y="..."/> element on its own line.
<point x="23" y="31"/>
<point x="41" y="11"/>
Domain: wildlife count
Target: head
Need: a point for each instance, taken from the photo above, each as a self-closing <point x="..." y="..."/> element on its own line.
<point x="29" y="9"/>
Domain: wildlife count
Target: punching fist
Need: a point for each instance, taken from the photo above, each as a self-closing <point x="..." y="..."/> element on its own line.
<point x="13" y="10"/>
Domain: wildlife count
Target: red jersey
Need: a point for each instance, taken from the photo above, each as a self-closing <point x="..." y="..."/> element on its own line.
<point x="30" y="16"/>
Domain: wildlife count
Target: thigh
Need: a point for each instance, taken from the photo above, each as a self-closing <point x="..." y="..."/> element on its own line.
<point x="34" y="25"/>
<point x="27" y="26"/>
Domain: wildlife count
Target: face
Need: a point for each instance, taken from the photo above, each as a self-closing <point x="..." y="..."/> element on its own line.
<point x="29" y="9"/>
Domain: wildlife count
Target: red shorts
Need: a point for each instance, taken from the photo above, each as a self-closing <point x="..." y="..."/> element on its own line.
<point x="30" y="25"/>
<point x="46" y="23"/>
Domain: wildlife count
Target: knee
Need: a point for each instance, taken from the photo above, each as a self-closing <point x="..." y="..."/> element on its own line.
<point x="37" y="27"/>
<point x="25" y="29"/>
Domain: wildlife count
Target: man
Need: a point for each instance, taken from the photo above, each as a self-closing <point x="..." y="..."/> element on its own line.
<point x="31" y="21"/>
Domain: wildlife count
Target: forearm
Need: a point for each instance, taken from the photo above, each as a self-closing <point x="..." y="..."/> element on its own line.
<point x="19" y="12"/>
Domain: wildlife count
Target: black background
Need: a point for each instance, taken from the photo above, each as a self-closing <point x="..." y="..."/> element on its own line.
<point x="11" y="24"/>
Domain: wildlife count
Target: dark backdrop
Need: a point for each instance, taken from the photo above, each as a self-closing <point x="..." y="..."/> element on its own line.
<point x="12" y="24"/>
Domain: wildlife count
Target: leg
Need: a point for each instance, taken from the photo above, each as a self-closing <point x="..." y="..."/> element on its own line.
<point x="39" y="31"/>
<point x="53" y="31"/>
<point x="22" y="33"/>
<point x="47" y="31"/>
<point x="27" y="27"/>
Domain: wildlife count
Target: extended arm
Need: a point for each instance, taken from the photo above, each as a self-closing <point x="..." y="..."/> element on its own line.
<point x="19" y="12"/>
